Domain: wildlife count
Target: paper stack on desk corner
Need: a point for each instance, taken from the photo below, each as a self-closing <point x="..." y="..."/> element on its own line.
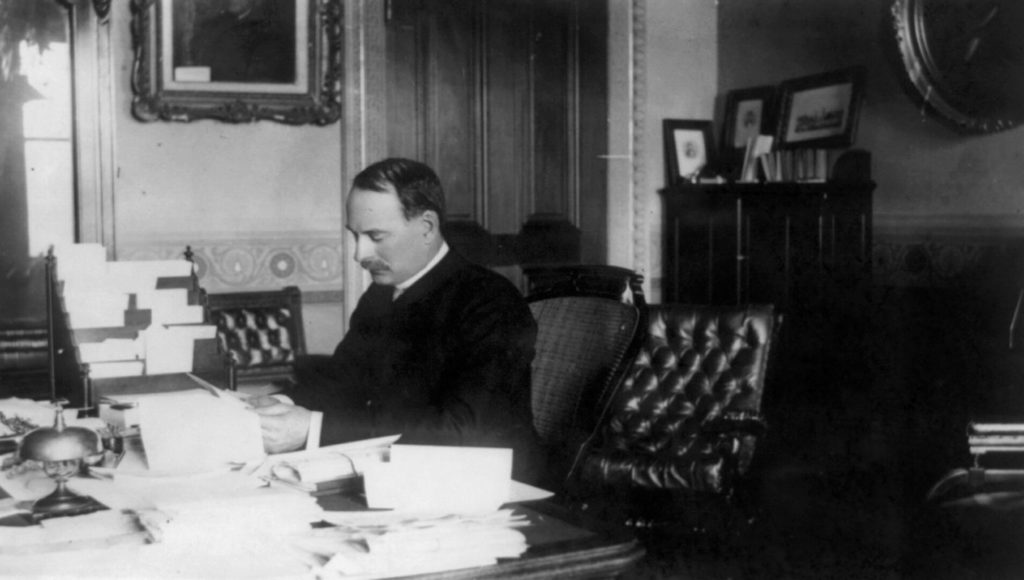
<point x="369" y="545"/>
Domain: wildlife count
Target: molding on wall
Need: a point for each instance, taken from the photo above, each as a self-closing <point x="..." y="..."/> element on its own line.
<point x="640" y="193"/>
<point x="94" y="112"/>
<point x="946" y="250"/>
<point x="311" y="261"/>
<point x="977" y="227"/>
<point x="364" y="128"/>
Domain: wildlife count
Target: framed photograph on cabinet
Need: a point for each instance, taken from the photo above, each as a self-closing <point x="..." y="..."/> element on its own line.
<point x="748" y="113"/>
<point x="820" y="111"/>
<point x="689" y="149"/>
<point x="237" y="60"/>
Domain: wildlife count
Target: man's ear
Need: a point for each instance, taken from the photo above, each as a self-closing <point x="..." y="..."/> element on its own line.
<point x="431" y="222"/>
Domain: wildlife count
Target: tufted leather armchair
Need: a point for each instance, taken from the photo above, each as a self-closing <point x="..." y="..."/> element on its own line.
<point x="260" y="332"/>
<point x="685" y="422"/>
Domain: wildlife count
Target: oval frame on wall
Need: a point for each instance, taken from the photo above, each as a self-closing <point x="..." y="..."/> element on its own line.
<point x="956" y="57"/>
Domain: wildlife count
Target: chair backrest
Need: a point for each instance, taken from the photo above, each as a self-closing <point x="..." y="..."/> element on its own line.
<point x="700" y="372"/>
<point x="261" y="332"/>
<point x="586" y="335"/>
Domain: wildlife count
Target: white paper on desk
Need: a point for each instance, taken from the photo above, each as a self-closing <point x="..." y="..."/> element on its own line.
<point x="432" y="479"/>
<point x="519" y="492"/>
<point x="358" y="454"/>
<point x="36" y="413"/>
<point x="190" y="431"/>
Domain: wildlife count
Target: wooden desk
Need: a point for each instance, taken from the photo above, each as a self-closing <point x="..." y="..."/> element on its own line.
<point x="562" y="544"/>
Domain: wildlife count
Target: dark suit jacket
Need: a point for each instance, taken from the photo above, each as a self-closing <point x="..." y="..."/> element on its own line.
<point x="447" y="363"/>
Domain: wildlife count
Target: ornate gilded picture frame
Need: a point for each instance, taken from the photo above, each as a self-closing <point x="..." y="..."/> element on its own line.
<point x="237" y="61"/>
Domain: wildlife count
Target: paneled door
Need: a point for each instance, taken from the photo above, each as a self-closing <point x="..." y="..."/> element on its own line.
<point x="507" y="100"/>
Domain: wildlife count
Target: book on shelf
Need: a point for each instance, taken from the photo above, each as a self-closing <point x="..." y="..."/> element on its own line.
<point x="19" y="359"/>
<point x="992" y="426"/>
<point x="799" y="165"/>
<point x="756" y="147"/>
<point x="996" y="440"/>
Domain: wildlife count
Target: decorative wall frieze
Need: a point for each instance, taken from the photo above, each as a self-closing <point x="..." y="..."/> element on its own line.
<point x="947" y="250"/>
<point x="313" y="263"/>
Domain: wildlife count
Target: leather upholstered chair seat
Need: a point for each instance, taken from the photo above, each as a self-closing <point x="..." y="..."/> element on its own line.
<point x="684" y="424"/>
<point x="261" y="332"/>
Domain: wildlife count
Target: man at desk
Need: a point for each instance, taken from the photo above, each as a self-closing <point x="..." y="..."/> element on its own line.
<point x="438" y="349"/>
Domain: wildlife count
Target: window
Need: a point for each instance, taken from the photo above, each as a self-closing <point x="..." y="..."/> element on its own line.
<point x="48" y="147"/>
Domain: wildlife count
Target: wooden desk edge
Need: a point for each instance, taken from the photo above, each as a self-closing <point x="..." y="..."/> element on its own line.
<point x="604" y="562"/>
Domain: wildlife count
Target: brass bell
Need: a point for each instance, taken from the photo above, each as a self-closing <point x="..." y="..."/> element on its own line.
<point x="60" y="450"/>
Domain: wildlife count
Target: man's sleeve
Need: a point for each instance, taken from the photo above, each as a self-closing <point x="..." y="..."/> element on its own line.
<point x="334" y="386"/>
<point x="316" y="421"/>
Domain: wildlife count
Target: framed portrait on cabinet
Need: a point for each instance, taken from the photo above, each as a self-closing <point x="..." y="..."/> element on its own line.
<point x="748" y="113"/>
<point x="820" y="111"/>
<point x="689" y="149"/>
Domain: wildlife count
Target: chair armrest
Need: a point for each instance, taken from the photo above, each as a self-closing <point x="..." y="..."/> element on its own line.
<point x="742" y="423"/>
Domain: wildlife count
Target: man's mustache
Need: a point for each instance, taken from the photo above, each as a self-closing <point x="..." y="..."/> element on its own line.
<point x="374" y="265"/>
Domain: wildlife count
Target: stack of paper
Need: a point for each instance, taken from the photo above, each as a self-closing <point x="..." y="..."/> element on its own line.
<point x="215" y="518"/>
<point x="115" y="297"/>
<point x="197" y="531"/>
<point x="386" y="544"/>
<point x="19" y="416"/>
<point x="98" y="529"/>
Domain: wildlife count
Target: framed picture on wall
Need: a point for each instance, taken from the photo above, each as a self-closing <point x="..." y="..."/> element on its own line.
<point x="689" y="149"/>
<point x="238" y="60"/>
<point x="748" y="113"/>
<point x="820" y="111"/>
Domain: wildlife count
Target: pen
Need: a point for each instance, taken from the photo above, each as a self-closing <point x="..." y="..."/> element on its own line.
<point x="205" y="385"/>
<point x="218" y="392"/>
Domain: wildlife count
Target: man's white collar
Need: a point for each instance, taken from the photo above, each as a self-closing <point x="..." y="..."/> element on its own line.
<point x="399" y="288"/>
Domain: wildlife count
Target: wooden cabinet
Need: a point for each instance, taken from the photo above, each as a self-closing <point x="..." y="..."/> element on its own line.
<point x="805" y="247"/>
<point x="797" y="245"/>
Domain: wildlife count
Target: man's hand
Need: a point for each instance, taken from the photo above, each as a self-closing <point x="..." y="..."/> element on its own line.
<point x="263" y="401"/>
<point x="285" y="427"/>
